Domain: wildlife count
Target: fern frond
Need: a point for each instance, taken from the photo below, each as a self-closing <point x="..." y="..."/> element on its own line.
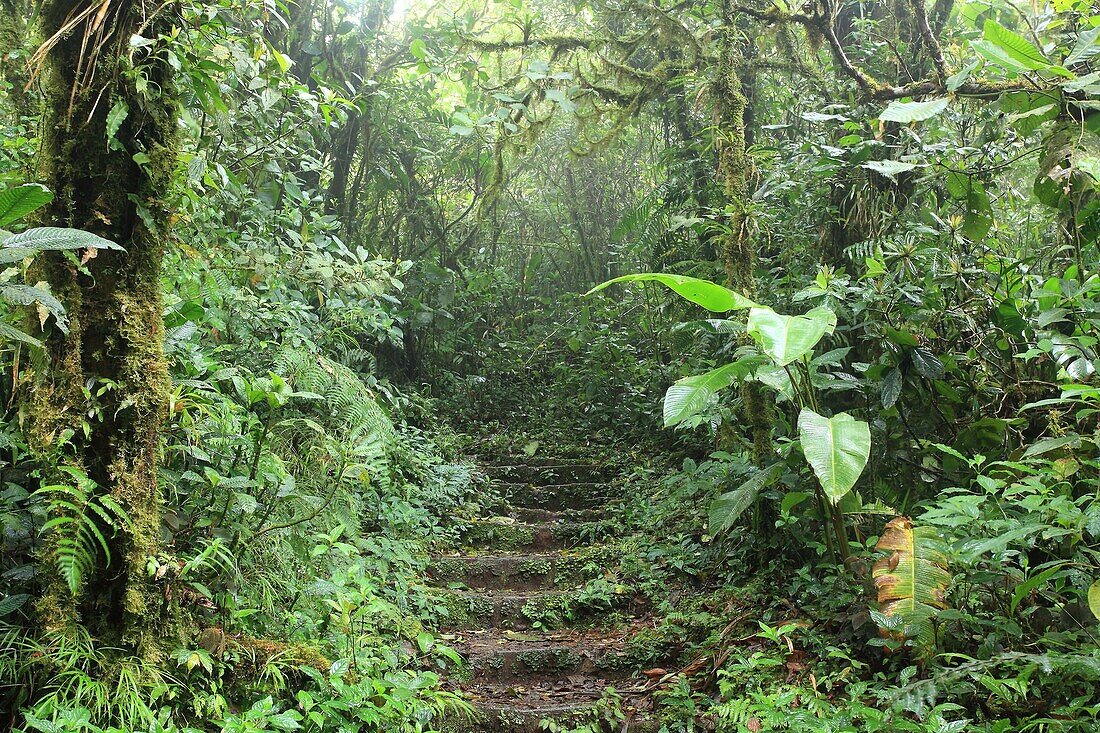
<point x="76" y="514"/>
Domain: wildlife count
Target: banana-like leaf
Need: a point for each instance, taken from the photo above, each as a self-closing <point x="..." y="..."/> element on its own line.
<point x="837" y="448"/>
<point x="888" y="168"/>
<point x="15" y="203"/>
<point x="710" y="295"/>
<point x="726" y="509"/>
<point x="689" y="395"/>
<point x="1094" y="599"/>
<point x="788" y="338"/>
<point x="912" y="580"/>
<point x="777" y="379"/>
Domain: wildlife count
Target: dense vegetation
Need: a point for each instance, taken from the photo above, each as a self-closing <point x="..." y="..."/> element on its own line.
<point x="280" y="278"/>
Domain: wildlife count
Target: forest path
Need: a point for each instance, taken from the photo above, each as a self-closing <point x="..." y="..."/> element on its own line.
<point x="521" y="611"/>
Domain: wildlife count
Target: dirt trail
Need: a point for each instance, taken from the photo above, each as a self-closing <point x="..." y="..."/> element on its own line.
<point x="517" y="611"/>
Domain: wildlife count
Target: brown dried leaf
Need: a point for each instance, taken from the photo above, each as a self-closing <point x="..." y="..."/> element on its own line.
<point x="912" y="581"/>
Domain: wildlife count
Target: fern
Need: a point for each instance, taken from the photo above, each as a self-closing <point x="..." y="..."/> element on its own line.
<point x="341" y="446"/>
<point x="76" y="514"/>
<point x="352" y="406"/>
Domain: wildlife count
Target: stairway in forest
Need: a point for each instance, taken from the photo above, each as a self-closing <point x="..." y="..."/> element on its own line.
<point x="521" y="573"/>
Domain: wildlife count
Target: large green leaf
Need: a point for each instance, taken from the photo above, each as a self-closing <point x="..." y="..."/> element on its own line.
<point x="1088" y="45"/>
<point x="778" y="379"/>
<point x="837" y="448"/>
<point x="912" y="580"/>
<point x="10" y="333"/>
<point x="710" y="295"/>
<point x="727" y="508"/>
<point x="913" y="111"/>
<point x="8" y="255"/>
<point x="788" y="338"/>
<point x="1011" y="51"/>
<point x="18" y="294"/>
<point x="15" y="203"/>
<point x="978" y="218"/>
<point x="689" y="395"/>
<point x="888" y="168"/>
<point x="57" y="238"/>
<point x="10" y="604"/>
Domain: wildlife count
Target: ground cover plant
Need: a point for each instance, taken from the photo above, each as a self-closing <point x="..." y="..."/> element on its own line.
<point x="593" y="366"/>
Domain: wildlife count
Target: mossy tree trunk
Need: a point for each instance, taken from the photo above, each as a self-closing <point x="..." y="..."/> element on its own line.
<point x="13" y="62"/>
<point x="108" y="152"/>
<point x="734" y="171"/>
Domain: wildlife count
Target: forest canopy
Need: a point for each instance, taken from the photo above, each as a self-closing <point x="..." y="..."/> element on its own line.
<point x="605" y="365"/>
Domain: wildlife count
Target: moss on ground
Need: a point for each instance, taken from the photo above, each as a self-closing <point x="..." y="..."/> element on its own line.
<point x="465" y="610"/>
<point x="499" y="535"/>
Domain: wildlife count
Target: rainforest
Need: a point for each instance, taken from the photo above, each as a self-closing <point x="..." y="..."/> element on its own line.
<point x="579" y="366"/>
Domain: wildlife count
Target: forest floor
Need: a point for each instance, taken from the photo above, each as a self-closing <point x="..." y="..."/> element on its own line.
<point x="538" y="658"/>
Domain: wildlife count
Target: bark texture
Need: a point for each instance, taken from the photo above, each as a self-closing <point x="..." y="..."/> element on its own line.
<point x="108" y="154"/>
<point x="734" y="172"/>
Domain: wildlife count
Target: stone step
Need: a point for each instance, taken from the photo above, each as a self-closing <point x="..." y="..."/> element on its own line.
<point x="550" y="473"/>
<point x="505" y="535"/>
<point x="514" y="707"/>
<point x="497" y="655"/>
<point x="536" y="515"/>
<point x="524" y="571"/>
<point x="549" y="538"/>
<point x="556" y="497"/>
<point x="539" y="461"/>
<point x="510" y="609"/>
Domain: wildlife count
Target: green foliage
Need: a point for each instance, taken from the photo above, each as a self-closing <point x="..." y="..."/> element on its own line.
<point x="688" y="396"/>
<point x="76" y="514"/>
<point x="713" y="297"/>
<point x="382" y="226"/>
<point x="82" y="687"/>
<point x="1011" y="51"/>
<point x="605" y="712"/>
<point x="913" y="111"/>
<point x="786" y="339"/>
<point x="727" y="508"/>
<point x="837" y="448"/>
<point x="15" y="204"/>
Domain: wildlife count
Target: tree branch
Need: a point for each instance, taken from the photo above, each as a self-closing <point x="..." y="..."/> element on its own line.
<point x="930" y="39"/>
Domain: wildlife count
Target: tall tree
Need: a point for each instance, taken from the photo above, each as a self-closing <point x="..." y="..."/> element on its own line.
<point x="109" y="153"/>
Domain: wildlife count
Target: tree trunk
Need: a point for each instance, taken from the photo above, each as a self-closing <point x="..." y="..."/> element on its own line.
<point x="13" y="65"/>
<point x="94" y="73"/>
<point x="734" y="170"/>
